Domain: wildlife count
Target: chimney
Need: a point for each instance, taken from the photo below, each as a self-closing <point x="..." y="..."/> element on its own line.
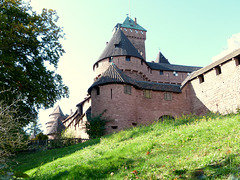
<point x="106" y="43"/>
<point x="135" y="21"/>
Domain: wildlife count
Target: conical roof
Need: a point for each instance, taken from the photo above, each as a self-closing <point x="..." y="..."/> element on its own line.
<point x="57" y="110"/>
<point x="129" y="23"/>
<point x="161" y="59"/>
<point x="112" y="75"/>
<point x="119" y="45"/>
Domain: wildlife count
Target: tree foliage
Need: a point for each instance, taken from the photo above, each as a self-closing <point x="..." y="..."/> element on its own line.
<point x="28" y="42"/>
<point x="95" y="126"/>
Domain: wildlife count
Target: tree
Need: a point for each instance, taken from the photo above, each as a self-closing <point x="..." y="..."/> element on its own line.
<point x="28" y="43"/>
<point x="12" y="138"/>
<point x="34" y="129"/>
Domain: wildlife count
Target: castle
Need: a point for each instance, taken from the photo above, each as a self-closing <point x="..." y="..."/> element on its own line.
<point x="131" y="91"/>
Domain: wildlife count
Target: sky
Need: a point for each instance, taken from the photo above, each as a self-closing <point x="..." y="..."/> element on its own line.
<point x="187" y="32"/>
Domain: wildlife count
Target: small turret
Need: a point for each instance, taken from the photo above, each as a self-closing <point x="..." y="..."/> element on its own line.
<point x="55" y="125"/>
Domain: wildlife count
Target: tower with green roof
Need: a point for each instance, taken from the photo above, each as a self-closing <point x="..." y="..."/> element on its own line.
<point x="135" y="33"/>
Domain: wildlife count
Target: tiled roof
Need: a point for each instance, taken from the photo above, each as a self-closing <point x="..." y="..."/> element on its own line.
<point x="119" y="45"/>
<point x="172" y="67"/>
<point x="159" y="86"/>
<point x="56" y="128"/>
<point x="129" y="23"/>
<point x="113" y="75"/>
<point x="161" y="59"/>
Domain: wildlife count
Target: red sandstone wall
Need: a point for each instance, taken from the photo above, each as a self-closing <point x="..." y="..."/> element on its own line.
<point x="126" y="110"/>
<point x="218" y="93"/>
<point x="137" y="38"/>
<point x="140" y="71"/>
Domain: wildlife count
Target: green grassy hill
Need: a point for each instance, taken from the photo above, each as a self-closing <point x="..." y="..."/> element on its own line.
<point x="186" y="148"/>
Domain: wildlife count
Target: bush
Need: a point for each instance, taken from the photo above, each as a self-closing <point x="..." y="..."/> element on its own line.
<point x="41" y="136"/>
<point x="95" y="126"/>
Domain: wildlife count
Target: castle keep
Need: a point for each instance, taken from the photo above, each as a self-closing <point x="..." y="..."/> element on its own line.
<point x="134" y="91"/>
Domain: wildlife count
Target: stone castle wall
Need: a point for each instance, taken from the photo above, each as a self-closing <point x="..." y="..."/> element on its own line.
<point x="220" y="92"/>
<point x="126" y="110"/>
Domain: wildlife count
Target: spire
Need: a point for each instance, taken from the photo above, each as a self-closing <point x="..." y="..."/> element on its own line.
<point x="57" y="110"/>
<point x="161" y="59"/>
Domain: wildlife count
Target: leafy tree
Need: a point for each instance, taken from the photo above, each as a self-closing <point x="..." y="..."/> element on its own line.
<point x="28" y="43"/>
<point x="34" y="129"/>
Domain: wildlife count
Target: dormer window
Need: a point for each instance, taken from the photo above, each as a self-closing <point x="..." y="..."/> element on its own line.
<point x="128" y="58"/>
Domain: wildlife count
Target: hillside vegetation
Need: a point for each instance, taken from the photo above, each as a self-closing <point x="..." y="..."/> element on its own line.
<point x="186" y="148"/>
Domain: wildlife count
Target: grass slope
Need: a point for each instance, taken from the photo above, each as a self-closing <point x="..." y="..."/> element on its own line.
<point x="187" y="148"/>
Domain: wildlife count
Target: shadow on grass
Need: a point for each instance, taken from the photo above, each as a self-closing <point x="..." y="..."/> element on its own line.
<point x="221" y="169"/>
<point x="37" y="159"/>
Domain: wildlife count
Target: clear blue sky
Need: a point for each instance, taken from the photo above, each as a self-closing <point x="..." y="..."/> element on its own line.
<point x="187" y="32"/>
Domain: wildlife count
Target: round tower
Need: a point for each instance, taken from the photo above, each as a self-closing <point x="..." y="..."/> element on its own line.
<point x="56" y="115"/>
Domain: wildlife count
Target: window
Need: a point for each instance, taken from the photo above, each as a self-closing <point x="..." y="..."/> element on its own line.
<point x="127" y="89"/>
<point x="161" y="72"/>
<point x="141" y="62"/>
<point x="136" y="31"/>
<point x="237" y="60"/>
<point x="142" y="32"/>
<point x="134" y="124"/>
<point x="111" y="59"/>
<point x="201" y="78"/>
<point x="98" y="90"/>
<point x="114" y="127"/>
<point x="175" y="73"/>
<point x="128" y="58"/>
<point x="168" y="96"/>
<point x="130" y="30"/>
<point x="147" y="94"/>
<point x="125" y="29"/>
<point x="111" y="93"/>
<point x="218" y="70"/>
